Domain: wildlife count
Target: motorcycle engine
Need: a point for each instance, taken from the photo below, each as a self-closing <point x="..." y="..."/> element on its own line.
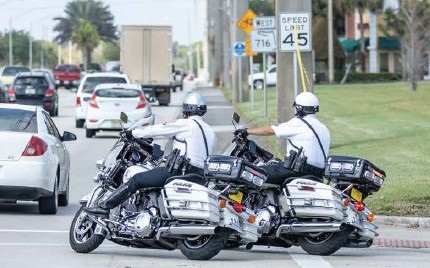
<point x="266" y="219"/>
<point x="147" y="222"/>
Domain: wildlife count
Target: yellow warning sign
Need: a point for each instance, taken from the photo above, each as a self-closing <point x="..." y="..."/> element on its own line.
<point x="245" y="23"/>
<point x="248" y="51"/>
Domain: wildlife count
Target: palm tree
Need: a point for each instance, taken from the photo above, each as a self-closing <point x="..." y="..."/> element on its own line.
<point x="86" y="38"/>
<point x="95" y="13"/>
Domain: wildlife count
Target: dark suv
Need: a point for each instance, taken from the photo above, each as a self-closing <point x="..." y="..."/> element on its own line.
<point x="35" y="88"/>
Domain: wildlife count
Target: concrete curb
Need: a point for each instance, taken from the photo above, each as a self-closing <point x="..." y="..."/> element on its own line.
<point x="406" y="222"/>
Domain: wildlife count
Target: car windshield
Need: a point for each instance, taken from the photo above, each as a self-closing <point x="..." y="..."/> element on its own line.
<point x="118" y="93"/>
<point x="91" y="82"/>
<point x="18" y="120"/>
<point x="35" y="81"/>
<point x="11" y="71"/>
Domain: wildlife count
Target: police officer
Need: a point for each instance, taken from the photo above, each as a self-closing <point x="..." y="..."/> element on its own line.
<point x="304" y="133"/>
<point x="191" y="135"/>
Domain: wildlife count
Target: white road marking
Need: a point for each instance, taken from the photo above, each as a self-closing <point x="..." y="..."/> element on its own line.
<point x="309" y="261"/>
<point x="31" y="231"/>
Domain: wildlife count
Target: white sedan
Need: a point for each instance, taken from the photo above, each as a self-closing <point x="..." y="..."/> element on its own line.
<point x="109" y="100"/>
<point x="34" y="162"/>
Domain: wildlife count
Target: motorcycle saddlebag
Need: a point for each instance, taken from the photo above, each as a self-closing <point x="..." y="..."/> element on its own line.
<point x="354" y="170"/>
<point x="186" y="200"/>
<point x="310" y="199"/>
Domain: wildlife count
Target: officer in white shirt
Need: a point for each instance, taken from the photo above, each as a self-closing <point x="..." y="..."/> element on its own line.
<point x="194" y="139"/>
<point x="304" y="133"/>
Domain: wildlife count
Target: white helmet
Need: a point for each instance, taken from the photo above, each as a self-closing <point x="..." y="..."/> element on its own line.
<point x="194" y="104"/>
<point x="306" y="103"/>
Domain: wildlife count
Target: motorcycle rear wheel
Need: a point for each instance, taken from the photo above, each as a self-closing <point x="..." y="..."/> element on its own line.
<point x="82" y="238"/>
<point x="324" y="244"/>
<point x="204" y="247"/>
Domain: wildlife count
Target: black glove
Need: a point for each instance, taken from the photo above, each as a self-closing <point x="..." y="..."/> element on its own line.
<point x="242" y="132"/>
<point x="126" y="135"/>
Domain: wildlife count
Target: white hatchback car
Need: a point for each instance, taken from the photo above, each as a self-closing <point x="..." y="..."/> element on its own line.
<point x="34" y="161"/>
<point x="109" y="100"/>
<point x="86" y="88"/>
<point x="258" y="78"/>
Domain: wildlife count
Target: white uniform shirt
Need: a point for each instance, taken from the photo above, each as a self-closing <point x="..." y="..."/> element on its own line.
<point x="187" y="137"/>
<point x="296" y="132"/>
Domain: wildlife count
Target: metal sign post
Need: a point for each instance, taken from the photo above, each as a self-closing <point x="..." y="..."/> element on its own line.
<point x="263" y="39"/>
<point x="239" y="51"/>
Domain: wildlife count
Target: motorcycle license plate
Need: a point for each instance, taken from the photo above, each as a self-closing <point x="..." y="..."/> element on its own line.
<point x="356" y="195"/>
<point x="236" y="197"/>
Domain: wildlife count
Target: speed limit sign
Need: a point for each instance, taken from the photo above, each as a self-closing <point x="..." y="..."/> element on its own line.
<point x="289" y="36"/>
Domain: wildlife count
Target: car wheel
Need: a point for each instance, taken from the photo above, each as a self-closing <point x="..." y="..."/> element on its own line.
<point x="90" y="132"/>
<point x="63" y="198"/>
<point x="52" y="112"/>
<point x="258" y="84"/>
<point x="56" y="110"/>
<point x="49" y="204"/>
<point x="80" y="123"/>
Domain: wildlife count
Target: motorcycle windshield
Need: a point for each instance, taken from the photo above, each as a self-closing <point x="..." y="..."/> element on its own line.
<point x="113" y="153"/>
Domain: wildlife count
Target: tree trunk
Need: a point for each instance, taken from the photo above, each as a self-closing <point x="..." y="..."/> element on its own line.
<point x="362" y="44"/>
<point x="89" y="56"/>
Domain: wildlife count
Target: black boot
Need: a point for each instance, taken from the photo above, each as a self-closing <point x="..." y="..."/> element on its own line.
<point x="117" y="197"/>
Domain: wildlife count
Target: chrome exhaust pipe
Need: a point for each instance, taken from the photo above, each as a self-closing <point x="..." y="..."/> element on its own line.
<point x="188" y="230"/>
<point x="299" y="228"/>
<point x="360" y="244"/>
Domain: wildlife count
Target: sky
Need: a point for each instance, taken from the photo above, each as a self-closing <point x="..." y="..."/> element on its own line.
<point x="36" y="16"/>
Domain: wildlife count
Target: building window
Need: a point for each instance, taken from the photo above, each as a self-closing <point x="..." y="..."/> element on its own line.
<point x="383" y="62"/>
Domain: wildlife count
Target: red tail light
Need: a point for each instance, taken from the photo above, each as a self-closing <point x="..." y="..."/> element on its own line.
<point x="93" y="102"/>
<point x="11" y="92"/>
<point x="359" y="206"/>
<point x="142" y="102"/>
<point x="238" y="207"/>
<point x="78" y="102"/>
<point x="35" y="147"/>
<point x="49" y="93"/>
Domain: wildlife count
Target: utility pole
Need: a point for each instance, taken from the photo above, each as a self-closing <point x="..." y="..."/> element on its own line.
<point x="285" y="94"/>
<point x="330" y="42"/>
<point x="239" y="9"/>
<point x="226" y="44"/>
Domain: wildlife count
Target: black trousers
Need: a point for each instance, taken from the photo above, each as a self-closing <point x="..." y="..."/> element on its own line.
<point x="155" y="177"/>
<point x="277" y="173"/>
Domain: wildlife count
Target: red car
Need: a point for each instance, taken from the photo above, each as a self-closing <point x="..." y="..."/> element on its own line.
<point x="67" y="75"/>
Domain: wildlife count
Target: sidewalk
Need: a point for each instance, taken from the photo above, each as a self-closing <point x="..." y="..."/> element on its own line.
<point x="413" y="232"/>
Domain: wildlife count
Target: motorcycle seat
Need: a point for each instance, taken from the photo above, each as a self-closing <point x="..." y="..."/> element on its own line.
<point x="191" y="177"/>
<point x="308" y="177"/>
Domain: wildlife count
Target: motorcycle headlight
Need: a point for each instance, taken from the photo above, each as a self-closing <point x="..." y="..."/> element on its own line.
<point x="224" y="167"/>
<point x="335" y="166"/>
<point x="213" y="166"/>
<point x="247" y="175"/>
<point x="258" y="181"/>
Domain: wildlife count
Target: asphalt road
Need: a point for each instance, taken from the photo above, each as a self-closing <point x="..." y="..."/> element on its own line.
<point x="28" y="239"/>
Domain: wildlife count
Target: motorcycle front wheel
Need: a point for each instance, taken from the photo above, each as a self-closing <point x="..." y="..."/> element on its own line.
<point x="82" y="238"/>
<point x="324" y="244"/>
<point x="204" y="247"/>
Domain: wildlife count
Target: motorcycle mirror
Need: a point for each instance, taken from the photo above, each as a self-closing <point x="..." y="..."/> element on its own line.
<point x="123" y="117"/>
<point x="236" y="117"/>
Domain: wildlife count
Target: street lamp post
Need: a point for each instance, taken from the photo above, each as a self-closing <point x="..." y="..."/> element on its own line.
<point x="10" y="43"/>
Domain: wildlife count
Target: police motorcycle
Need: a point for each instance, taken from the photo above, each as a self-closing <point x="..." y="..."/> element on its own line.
<point x="320" y="217"/>
<point x="194" y="214"/>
